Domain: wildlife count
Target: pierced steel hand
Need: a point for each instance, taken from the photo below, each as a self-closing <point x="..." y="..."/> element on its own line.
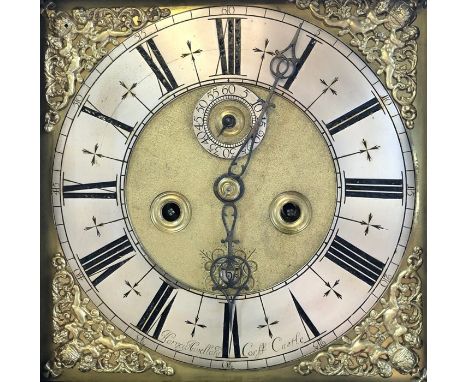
<point x="230" y="273"/>
<point x="282" y="67"/>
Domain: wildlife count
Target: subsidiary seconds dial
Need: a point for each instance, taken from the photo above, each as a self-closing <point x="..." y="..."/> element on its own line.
<point x="223" y="119"/>
<point x="329" y="196"/>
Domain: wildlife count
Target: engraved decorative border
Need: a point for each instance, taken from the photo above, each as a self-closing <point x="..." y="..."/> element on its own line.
<point x="386" y="340"/>
<point x="381" y="30"/>
<point x="76" y="41"/>
<point x="84" y="339"/>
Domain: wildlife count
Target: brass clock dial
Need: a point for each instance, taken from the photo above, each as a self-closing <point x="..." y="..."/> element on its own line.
<point x="215" y="264"/>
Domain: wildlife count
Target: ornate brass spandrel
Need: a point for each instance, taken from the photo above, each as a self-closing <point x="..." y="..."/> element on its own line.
<point x="85" y="340"/>
<point x="76" y="41"/>
<point x="387" y="340"/>
<point x="382" y="31"/>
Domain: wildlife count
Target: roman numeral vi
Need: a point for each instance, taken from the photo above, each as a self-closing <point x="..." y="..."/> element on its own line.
<point x="230" y="333"/>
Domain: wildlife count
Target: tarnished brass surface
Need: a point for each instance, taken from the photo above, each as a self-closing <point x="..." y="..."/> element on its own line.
<point x="167" y="155"/>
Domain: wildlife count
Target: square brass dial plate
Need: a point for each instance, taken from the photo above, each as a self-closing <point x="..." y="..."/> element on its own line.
<point x="162" y="258"/>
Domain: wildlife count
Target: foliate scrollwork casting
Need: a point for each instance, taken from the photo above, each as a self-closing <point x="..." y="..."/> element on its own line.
<point x="76" y="41"/>
<point x="84" y="339"/>
<point x="381" y="30"/>
<point x="386" y="340"/>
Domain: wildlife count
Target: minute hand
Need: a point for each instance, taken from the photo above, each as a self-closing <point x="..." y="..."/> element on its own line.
<point x="282" y="67"/>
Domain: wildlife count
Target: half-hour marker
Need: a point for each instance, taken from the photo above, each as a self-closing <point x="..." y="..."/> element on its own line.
<point x="107" y="259"/>
<point x="157" y="311"/>
<point x="374" y="188"/>
<point x="306" y="321"/>
<point x="366" y="150"/>
<point x="367" y="223"/>
<point x="355" y="261"/>
<point x="230" y="55"/>
<point x="165" y="76"/>
<point x="351" y="117"/>
<point x="194" y="323"/>
<point x="268" y="324"/>
<point x="97" y="225"/>
<point x="327" y="87"/>
<point x="305" y="54"/>
<point x="192" y="53"/>
<point x="95" y="155"/>
<point x="132" y="288"/>
<point x="136" y="284"/>
<point x="264" y="52"/>
<point x="331" y="288"/>
<point x="129" y="90"/>
<point x="117" y="124"/>
<point x="97" y="190"/>
<point x="230" y="334"/>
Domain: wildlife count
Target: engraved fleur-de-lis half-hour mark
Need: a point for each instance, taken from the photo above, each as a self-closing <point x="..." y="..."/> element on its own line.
<point x="95" y="154"/>
<point x="268" y="324"/>
<point x="365" y="150"/>
<point x="195" y="322"/>
<point x="367" y="223"/>
<point x="97" y="225"/>
<point x="328" y="87"/>
<point x="192" y="54"/>
<point x="264" y="52"/>
<point x="129" y="89"/>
